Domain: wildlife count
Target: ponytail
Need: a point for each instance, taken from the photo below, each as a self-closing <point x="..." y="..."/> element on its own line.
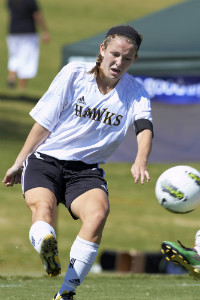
<point x="95" y="69"/>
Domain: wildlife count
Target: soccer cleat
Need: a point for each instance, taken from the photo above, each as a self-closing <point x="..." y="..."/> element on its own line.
<point x="65" y="296"/>
<point x="49" y="255"/>
<point x="186" y="257"/>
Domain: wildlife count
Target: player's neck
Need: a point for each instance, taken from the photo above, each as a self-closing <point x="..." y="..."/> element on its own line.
<point x="105" y="85"/>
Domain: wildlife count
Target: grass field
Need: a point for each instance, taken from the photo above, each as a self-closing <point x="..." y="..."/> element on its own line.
<point x="136" y="220"/>
<point x="103" y="287"/>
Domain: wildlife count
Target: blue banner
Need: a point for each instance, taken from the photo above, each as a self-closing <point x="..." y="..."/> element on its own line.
<point x="172" y="90"/>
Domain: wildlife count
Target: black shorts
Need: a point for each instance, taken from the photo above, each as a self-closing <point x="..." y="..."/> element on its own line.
<point x="66" y="179"/>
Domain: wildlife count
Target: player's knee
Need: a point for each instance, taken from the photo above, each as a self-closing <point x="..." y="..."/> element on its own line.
<point x="99" y="215"/>
<point x="40" y="207"/>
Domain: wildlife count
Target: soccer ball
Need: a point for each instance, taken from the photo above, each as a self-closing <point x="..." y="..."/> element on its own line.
<point x="178" y="189"/>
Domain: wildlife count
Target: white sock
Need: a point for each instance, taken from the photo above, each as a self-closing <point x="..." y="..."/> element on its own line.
<point x="197" y="242"/>
<point x="82" y="256"/>
<point x="38" y="231"/>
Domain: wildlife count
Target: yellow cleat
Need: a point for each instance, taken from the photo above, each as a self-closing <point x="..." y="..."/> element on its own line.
<point x="65" y="296"/>
<point x="49" y="256"/>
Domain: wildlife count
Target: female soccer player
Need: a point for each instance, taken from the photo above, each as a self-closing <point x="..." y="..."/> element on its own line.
<point x="79" y="122"/>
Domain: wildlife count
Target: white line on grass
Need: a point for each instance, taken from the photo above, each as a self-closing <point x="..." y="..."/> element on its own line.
<point x="10" y="285"/>
<point x="189" y="284"/>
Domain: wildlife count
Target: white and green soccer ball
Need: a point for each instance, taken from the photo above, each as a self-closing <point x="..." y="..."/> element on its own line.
<point x="178" y="189"/>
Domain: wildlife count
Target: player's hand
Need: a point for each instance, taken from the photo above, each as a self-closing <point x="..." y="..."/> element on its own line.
<point x="13" y="176"/>
<point x="46" y="37"/>
<point x="139" y="171"/>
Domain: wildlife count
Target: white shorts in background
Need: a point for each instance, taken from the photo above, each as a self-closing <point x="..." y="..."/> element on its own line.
<point x="23" y="54"/>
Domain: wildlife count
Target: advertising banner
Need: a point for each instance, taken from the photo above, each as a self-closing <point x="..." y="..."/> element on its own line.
<point x="172" y="90"/>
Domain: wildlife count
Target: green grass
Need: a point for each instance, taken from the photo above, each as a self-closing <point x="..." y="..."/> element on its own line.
<point x="103" y="287"/>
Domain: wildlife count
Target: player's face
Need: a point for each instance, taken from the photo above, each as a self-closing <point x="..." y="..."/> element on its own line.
<point x="117" y="58"/>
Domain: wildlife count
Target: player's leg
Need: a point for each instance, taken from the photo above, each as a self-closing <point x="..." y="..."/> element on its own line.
<point x="197" y="242"/>
<point x="12" y="77"/>
<point x="41" y="181"/>
<point x="43" y="205"/>
<point x="92" y="208"/>
<point x="12" y="43"/>
<point x="22" y="82"/>
<point x="28" y="59"/>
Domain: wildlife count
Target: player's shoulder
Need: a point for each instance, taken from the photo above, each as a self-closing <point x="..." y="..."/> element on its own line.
<point x="72" y="72"/>
<point x="77" y="67"/>
<point x="134" y="86"/>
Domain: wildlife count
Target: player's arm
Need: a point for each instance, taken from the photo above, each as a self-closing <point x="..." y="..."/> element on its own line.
<point x="40" y="21"/>
<point x="36" y="136"/>
<point x="139" y="168"/>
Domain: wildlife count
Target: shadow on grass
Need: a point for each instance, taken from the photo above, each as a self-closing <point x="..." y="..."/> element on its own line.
<point x="19" y="97"/>
<point x="10" y="130"/>
<point x="15" y="128"/>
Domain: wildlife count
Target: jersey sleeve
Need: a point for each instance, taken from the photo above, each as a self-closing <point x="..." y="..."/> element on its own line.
<point x="141" y="110"/>
<point x="49" y="108"/>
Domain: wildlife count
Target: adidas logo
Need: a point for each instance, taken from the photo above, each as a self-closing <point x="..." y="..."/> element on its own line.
<point x="81" y="100"/>
<point x="75" y="281"/>
<point x="72" y="262"/>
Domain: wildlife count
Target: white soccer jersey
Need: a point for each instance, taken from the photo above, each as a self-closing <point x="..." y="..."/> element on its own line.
<point x="85" y="124"/>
